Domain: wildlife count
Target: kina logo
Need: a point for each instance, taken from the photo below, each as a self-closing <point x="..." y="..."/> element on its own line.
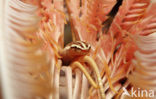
<point x="138" y="92"/>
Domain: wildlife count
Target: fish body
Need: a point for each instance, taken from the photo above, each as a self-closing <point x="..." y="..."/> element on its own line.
<point x="74" y="50"/>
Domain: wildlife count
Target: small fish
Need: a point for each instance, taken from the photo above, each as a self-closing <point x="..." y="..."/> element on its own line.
<point x="74" y="50"/>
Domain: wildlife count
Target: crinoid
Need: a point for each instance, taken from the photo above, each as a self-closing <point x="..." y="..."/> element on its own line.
<point x="111" y="52"/>
<point x="75" y="54"/>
